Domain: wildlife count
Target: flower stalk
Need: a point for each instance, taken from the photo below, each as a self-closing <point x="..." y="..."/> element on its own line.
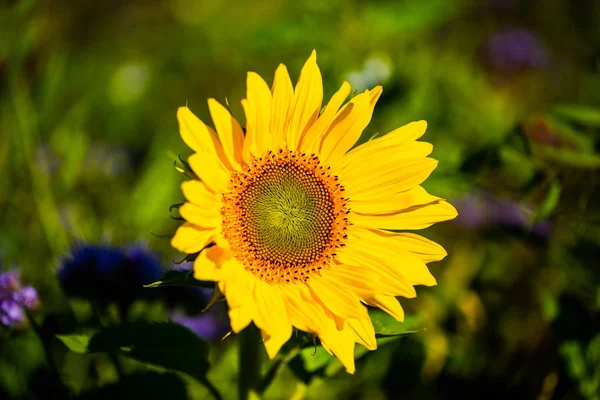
<point x="249" y="362"/>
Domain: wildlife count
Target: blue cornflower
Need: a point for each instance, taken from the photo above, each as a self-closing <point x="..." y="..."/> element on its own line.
<point x="109" y="274"/>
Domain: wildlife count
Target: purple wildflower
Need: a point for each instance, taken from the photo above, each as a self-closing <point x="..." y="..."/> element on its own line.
<point x="14" y="299"/>
<point x="27" y="296"/>
<point x="210" y="325"/>
<point x="9" y="281"/>
<point x="483" y="211"/>
<point x="11" y="313"/>
<point x="515" y="49"/>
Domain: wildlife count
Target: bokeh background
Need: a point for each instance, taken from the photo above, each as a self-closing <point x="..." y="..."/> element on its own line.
<point x="511" y="92"/>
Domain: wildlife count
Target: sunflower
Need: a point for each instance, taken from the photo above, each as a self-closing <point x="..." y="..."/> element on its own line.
<point x="303" y="225"/>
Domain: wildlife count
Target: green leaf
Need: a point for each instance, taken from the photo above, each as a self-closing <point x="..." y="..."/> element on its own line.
<point x="316" y="361"/>
<point x="584" y="115"/>
<point x="315" y="358"/>
<point x="336" y="366"/>
<point x="75" y="343"/>
<point x="571" y="137"/>
<point x="179" y="277"/>
<point x="146" y="385"/>
<point x="168" y="345"/>
<point x="550" y="201"/>
<point x="593" y="351"/>
<point x="385" y="325"/>
<point x="569" y="158"/>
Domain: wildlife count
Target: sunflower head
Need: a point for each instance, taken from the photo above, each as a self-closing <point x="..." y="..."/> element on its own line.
<point x="306" y="229"/>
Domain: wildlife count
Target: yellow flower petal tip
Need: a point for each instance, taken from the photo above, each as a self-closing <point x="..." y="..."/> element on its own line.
<point x="299" y="221"/>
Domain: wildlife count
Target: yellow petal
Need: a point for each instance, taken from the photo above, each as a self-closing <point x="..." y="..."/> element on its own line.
<point x="365" y="333"/>
<point x="229" y="131"/>
<point x="271" y="317"/>
<point x="308" y="96"/>
<point x="211" y="171"/>
<point x="397" y="138"/>
<point x="257" y="108"/>
<point x="353" y="162"/>
<point x="385" y="178"/>
<point x="196" y="192"/>
<point x="238" y="289"/>
<point x="344" y="304"/>
<point x="404" y="262"/>
<point x="191" y="239"/>
<point x="310" y="316"/>
<point x="392" y="203"/>
<point x="418" y="217"/>
<point x="275" y="342"/>
<point x="201" y="216"/>
<point x="306" y="314"/>
<point x="374" y="95"/>
<point x="423" y="248"/>
<point x="281" y="106"/>
<point x="345" y="130"/>
<point x="240" y="318"/>
<point x="389" y="304"/>
<point x="341" y="345"/>
<point x="309" y="141"/>
<point x="391" y="280"/>
<point x="360" y="281"/>
<point x="198" y="136"/>
<point x="211" y="265"/>
<point x="249" y="150"/>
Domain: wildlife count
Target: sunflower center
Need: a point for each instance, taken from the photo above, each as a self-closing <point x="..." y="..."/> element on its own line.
<point x="284" y="216"/>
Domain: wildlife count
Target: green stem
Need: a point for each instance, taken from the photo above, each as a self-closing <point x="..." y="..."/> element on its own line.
<point x="211" y="388"/>
<point x="112" y="355"/>
<point x="249" y="366"/>
<point x="275" y="368"/>
<point x="45" y="344"/>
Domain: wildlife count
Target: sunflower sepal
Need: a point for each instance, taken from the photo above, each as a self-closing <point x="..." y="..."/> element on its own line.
<point x="217" y="296"/>
<point x="181" y="277"/>
<point x="183" y="167"/>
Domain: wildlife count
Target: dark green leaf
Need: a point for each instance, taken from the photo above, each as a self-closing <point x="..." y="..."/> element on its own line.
<point x="75" y="343"/>
<point x="168" y="345"/>
<point x="481" y="159"/>
<point x="336" y="366"/>
<point x="570" y="158"/>
<point x="385" y="325"/>
<point x="316" y="361"/>
<point x="179" y="277"/>
<point x="593" y="351"/>
<point x="147" y="385"/>
<point x="581" y="114"/>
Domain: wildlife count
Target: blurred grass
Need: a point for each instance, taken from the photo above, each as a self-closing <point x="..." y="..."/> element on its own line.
<point x="88" y="95"/>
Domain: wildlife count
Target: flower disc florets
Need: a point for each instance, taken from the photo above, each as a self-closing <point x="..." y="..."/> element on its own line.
<point x="284" y="216"/>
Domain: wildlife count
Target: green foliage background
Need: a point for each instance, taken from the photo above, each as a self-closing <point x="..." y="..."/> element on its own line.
<point x="88" y="137"/>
